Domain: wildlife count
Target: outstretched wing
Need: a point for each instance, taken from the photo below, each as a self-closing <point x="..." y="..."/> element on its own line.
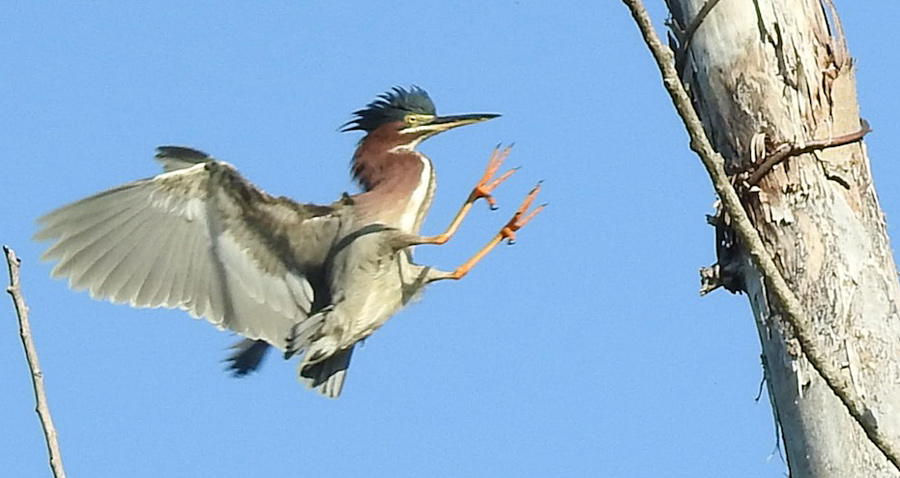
<point x="200" y="238"/>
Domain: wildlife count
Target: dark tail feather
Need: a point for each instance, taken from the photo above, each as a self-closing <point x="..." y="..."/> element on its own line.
<point x="327" y="376"/>
<point x="247" y="356"/>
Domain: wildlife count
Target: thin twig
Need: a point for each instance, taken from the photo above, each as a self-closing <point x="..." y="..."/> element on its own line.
<point x="688" y="33"/>
<point x="790" y="305"/>
<point x="787" y="150"/>
<point x="37" y="378"/>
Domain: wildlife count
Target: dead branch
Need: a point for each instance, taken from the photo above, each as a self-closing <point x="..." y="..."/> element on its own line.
<point x="37" y="378"/>
<point x="791" y="308"/>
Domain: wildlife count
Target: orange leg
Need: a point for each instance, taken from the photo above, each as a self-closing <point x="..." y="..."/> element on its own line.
<point x="508" y="232"/>
<point x="482" y="189"/>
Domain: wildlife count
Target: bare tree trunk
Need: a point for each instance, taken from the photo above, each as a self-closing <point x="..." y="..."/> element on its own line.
<point x="770" y="73"/>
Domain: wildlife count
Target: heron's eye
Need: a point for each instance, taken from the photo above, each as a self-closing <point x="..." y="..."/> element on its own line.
<point x="413" y="120"/>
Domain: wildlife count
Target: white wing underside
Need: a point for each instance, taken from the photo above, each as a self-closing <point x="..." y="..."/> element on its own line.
<point x="184" y="240"/>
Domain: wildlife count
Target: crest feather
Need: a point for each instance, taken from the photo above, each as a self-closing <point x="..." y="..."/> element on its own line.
<point x="391" y="106"/>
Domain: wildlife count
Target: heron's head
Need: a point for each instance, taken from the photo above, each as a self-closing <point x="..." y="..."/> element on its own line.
<point x="404" y="118"/>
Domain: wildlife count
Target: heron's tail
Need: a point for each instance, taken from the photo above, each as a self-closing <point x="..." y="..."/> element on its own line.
<point x="327" y="376"/>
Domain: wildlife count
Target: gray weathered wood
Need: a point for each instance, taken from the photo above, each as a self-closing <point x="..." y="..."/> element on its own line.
<point x="772" y="70"/>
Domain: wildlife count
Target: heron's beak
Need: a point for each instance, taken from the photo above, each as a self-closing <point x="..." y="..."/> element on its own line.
<point x="443" y="123"/>
<point x="439" y="124"/>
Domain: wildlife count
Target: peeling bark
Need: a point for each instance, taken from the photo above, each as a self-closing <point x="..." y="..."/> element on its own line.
<point x="767" y="72"/>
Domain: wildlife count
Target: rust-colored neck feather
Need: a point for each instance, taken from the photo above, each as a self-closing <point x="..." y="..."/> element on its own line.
<point x="398" y="182"/>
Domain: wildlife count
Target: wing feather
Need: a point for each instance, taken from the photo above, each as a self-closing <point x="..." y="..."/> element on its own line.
<point x="175" y="256"/>
<point x="156" y="275"/>
<point x="84" y="231"/>
<point x="74" y="250"/>
<point x="132" y="272"/>
<point x="200" y="238"/>
<point x="114" y="248"/>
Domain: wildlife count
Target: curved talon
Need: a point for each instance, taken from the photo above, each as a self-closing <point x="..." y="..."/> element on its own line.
<point x="484" y="192"/>
<point x="508" y="233"/>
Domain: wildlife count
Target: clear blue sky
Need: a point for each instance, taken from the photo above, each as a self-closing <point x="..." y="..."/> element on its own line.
<point x="584" y="350"/>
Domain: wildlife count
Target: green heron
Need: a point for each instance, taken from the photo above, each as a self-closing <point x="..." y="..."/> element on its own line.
<point x="304" y="278"/>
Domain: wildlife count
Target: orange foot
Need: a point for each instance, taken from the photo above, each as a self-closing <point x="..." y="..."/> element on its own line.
<point x="485" y="185"/>
<point x="508" y="232"/>
<point x="519" y="219"/>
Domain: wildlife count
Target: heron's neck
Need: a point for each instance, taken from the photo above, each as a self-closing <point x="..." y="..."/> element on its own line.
<point x="398" y="186"/>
